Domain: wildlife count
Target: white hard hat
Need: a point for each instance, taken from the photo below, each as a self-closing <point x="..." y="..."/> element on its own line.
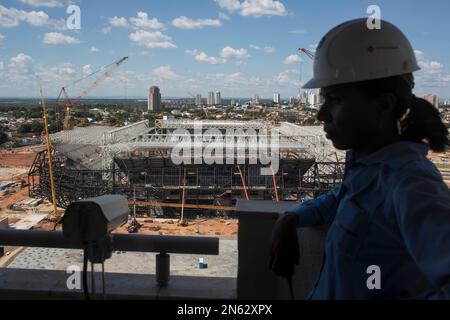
<point x="351" y="52"/>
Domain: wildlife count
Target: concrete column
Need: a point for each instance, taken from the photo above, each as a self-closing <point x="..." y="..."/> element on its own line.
<point x="255" y="279"/>
<point x="4" y="224"/>
<point x="162" y="269"/>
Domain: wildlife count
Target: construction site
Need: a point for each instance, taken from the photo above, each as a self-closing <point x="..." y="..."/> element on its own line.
<point x="136" y="161"/>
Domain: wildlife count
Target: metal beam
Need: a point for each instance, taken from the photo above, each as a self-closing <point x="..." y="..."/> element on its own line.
<point x="186" y="205"/>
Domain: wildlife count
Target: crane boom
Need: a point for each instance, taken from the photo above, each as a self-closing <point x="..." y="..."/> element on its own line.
<point x="309" y="53"/>
<point x="312" y="56"/>
<point x="95" y="84"/>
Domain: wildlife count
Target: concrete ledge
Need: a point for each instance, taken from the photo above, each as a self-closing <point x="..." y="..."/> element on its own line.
<point x="4" y="224"/>
<point x="48" y="284"/>
<point x="263" y="208"/>
<point x="255" y="279"/>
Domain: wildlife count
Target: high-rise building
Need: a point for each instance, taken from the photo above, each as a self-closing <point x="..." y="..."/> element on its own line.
<point x="311" y="98"/>
<point x="210" y="101"/>
<point x="256" y="100"/>
<point x="314" y="98"/>
<point x="217" y="99"/>
<point x="276" y="98"/>
<point x="433" y="99"/>
<point x="447" y="103"/>
<point x="198" y="100"/>
<point x="154" y="100"/>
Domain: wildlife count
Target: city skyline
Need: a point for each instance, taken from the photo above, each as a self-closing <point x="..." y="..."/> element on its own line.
<point x="185" y="47"/>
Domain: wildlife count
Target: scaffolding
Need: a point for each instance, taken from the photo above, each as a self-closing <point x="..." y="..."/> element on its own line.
<point x="136" y="160"/>
<point x="158" y="179"/>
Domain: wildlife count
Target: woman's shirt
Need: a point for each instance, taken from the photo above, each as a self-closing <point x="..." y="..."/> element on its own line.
<point x="389" y="218"/>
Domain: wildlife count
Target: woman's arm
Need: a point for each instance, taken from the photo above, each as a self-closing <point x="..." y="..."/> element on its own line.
<point x="422" y="206"/>
<point x="319" y="211"/>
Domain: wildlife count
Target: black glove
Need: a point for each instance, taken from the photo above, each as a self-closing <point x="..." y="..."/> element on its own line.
<point x="285" y="251"/>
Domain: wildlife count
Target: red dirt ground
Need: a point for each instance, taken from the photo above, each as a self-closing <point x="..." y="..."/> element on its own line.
<point x="211" y="227"/>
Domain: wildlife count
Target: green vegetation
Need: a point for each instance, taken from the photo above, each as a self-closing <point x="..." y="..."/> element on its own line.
<point x="443" y="166"/>
<point x="3" y="136"/>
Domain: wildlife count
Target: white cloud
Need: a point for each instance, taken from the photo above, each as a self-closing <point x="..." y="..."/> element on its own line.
<point x="431" y="67"/>
<point x="298" y="31"/>
<point x="229" y="52"/>
<point x="287" y="78"/>
<point x="118" y="21"/>
<point x="259" y="8"/>
<point x="11" y="17"/>
<point x="2" y="37"/>
<point x="20" y="67"/>
<point x="204" y="58"/>
<point x="93" y="49"/>
<point x="43" y="3"/>
<point x="189" y="24"/>
<point x="237" y="78"/>
<point x="269" y="49"/>
<point x="313" y="46"/>
<point x="265" y="49"/>
<point x="428" y="67"/>
<point x="59" y="38"/>
<point x="419" y="54"/>
<point x="152" y="39"/>
<point x="254" y="8"/>
<point x="143" y="22"/>
<point x="431" y="76"/>
<point x="229" y="5"/>
<point x="58" y="74"/>
<point x="67" y="69"/>
<point x="223" y="16"/>
<point x="2" y="66"/>
<point x="21" y="58"/>
<point x="37" y="19"/>
<point x="87" y="69"/>
<point x="445" y="78"/>
<point x="292" y="59"/>
<point x="106" y="30"/>
<point x="165" y="73"/>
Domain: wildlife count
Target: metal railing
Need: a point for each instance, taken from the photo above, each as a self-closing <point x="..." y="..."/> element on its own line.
<point x="164" y="245"/>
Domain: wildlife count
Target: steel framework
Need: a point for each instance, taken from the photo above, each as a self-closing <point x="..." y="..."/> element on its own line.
<point x="138" y="164"/>
<point x="157" y="179"/>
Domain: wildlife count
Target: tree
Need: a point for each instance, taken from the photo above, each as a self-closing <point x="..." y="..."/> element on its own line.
<point x="3" y="136"/>
<point x="24" y="128"/>
<point x="151" y="119"/>
<point x="37" y="127"/>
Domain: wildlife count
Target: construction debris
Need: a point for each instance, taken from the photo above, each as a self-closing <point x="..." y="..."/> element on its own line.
<point x="183" y="223"/>
<point x="27" y="204"/>
<point x="134" y="226"/>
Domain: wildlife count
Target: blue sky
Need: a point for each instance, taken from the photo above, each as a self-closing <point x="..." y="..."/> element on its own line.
<point x="239" y="47"/>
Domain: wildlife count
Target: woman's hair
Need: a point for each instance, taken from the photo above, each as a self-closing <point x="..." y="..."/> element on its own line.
<point x="422" y="123"/>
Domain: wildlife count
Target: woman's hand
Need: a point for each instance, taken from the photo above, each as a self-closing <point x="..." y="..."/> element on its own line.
<point x="284" y="251"/>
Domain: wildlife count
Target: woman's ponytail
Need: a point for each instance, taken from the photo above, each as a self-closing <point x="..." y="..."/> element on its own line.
<point x="424" y="125"/>
<point x="418" y="120"/>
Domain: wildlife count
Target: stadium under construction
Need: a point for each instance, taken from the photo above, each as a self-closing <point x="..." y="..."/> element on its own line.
<point x="137" y="161"/>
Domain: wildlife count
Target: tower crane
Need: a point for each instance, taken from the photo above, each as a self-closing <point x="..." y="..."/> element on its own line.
<point x="312" y="56"/>
<point x="105" y="73"/>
